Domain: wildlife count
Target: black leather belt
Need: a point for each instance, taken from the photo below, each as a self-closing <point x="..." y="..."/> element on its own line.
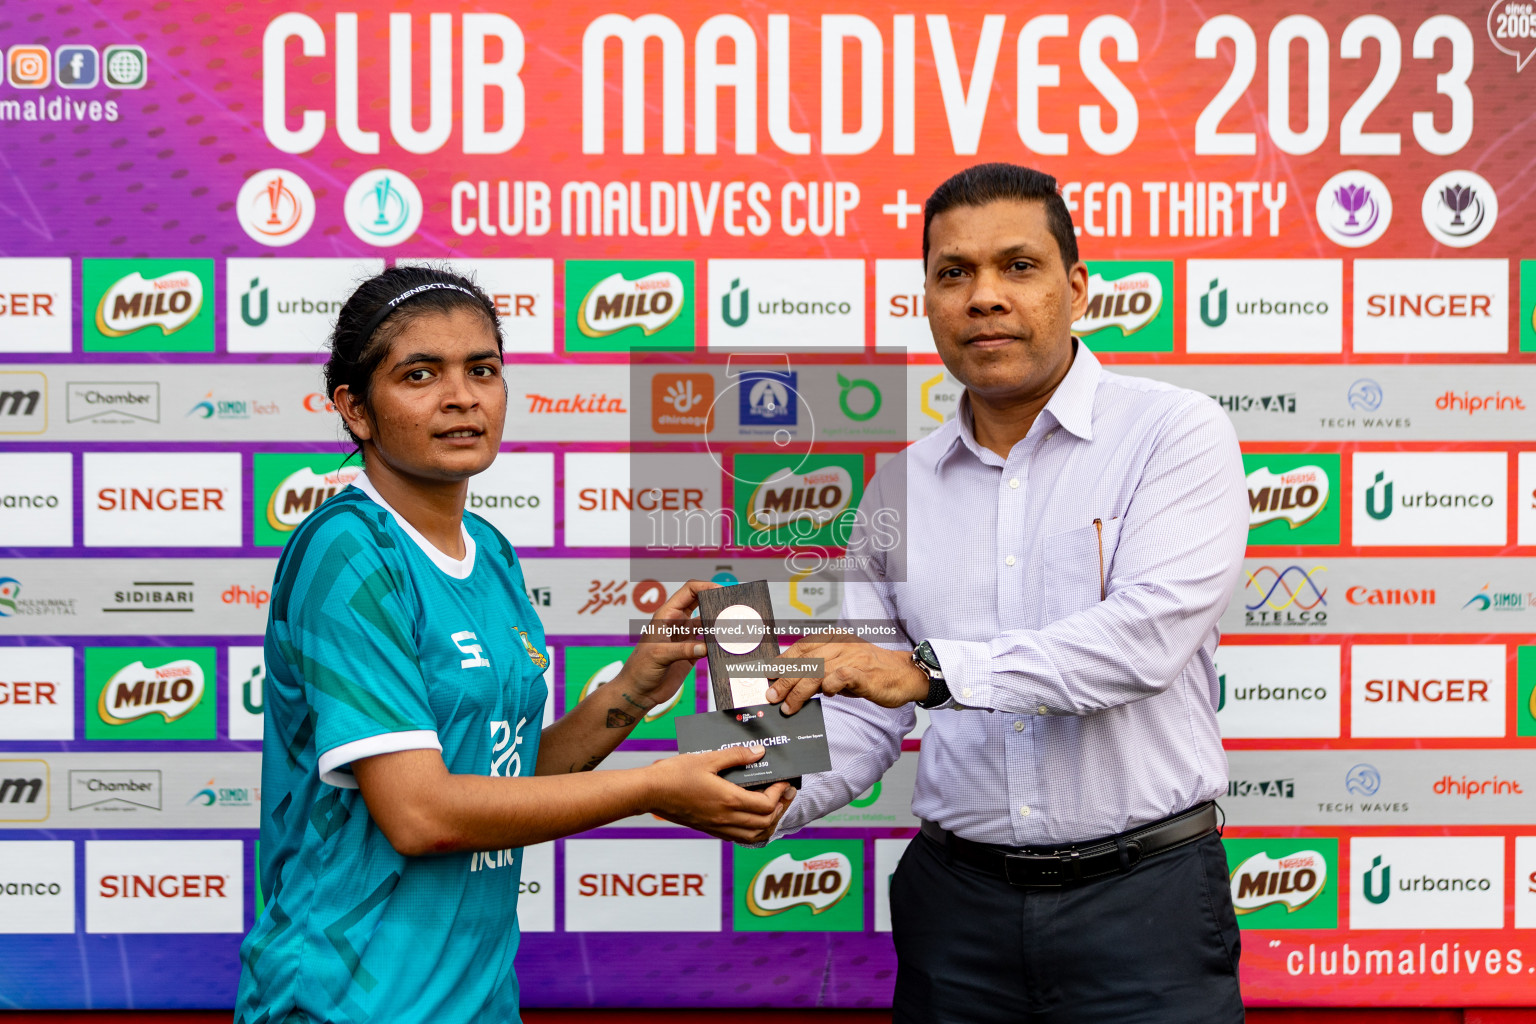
<point x="1052" y="867"/>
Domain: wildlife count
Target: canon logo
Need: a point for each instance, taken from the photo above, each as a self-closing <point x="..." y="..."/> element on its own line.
<point x="672" y="883"/>
<point x="161" y="499"/>
<point x="1368" y="595"/>
<point x="185" y="887"/>
<point x="1432" y="691"/>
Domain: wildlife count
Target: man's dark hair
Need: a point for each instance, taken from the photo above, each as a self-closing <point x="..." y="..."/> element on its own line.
<point x="991" y="183"/>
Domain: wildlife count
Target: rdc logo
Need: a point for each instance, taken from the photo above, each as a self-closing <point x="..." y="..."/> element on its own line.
<point x="383" y="207"/>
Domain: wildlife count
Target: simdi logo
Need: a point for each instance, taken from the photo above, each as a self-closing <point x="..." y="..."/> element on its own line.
<point x="1129" y="307"/>
<point x="1284" y="883"/>
<point x="626" y="305"/>
<point x="1426" y="882"/>
<point x="148" y="305"/>
<point x="1264" y="306"/>
<point x="149" y="693"/>
<point x="1289" y="498"/>
<point x="293" y="486"/>
<point x="800" y="885"/>
<point x="1430" y="498"/>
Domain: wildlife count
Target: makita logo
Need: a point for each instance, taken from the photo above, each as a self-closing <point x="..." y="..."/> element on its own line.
<point x="597" y="402"/>
<point x="1293" y="880"/>
<point x="138" y="691"/>
<point x="818" y="882"/>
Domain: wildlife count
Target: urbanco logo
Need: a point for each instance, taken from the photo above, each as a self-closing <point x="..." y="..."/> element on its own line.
<point x="150" y="693"/>
<point x="1427" y="690"/>
<point x="800" y="885"/>
<point x="1426" y="882"/>
<point x="628" y="305"/>
<point x="1439" y="305"/>
<point x="383" y="207"/>
<point x="275" y="207"/>
<point x="288" y="304"/>
<point x="35" y="304"/>
<point x="1257" y="306"/>
<point x="37" y="500"/>
<point x="246" y="692"/>
<point x="1129" y="307"/>
<point x="781" y="303"/>
<point x="37" y="887"/>
<point x="148" y="305"/>
<point x="1430" y="498"/>
<point x="1284" y="883"/>
<point x="1279" y="691"/>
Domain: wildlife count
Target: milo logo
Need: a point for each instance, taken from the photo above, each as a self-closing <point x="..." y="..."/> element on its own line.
<point x="1292" y="880"/>
<point x="132" y="303"/>
<point x="614" y="303"/>
<point x="138" y="691"/>
<point x="1129" y="303"/>
<point x="818" y="882"/>
<point x="816" y="497"/>
<point x="303" y="491"/>
<point x="1295" y="495"/>
<point x="606" y="674"/>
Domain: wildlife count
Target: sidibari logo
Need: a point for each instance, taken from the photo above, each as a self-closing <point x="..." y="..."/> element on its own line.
<point x="1292" y="880"/>
<point x="816" y="498"/>
<point x="615" y="303"/>
<point x="132" y="303"/>
<point x="1294" y="495"/>
<point x="818" y="882"/>
<point x="1129" y="303"/>
<point x="138" y="691"/>
<point x="303" y="491"/>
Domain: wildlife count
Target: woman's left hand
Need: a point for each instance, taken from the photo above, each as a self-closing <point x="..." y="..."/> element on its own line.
<point x="658" y="667"/>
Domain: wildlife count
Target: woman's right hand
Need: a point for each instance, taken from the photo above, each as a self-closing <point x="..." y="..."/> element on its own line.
<point x="687" y="789"/>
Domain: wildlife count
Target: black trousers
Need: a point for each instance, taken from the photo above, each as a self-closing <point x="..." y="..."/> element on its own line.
<point x="1158" y="945"/>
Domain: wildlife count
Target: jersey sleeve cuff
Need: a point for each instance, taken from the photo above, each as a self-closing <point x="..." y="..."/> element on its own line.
<point x="336" y="764"/>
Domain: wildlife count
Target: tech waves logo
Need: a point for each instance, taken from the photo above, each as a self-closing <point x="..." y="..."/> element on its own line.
<point x="138" y="691"/>
<point x="1292" y="880"/>
<point x="131" y="303"/>
<point x="303" y="491"/>
<point x="1285" y="596"/>
<point x="818" y="882"/>
<point x="1295" y="495"/>
<point x="651" y="302"/>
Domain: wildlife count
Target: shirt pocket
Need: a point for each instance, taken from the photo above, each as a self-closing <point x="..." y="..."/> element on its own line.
<point x="1077" y="564"/>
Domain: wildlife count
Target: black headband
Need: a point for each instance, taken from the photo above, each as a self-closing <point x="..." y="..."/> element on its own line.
<point x="410" y="293"/>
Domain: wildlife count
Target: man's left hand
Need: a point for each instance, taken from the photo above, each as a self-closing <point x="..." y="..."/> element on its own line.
<point x="855" y="668"/>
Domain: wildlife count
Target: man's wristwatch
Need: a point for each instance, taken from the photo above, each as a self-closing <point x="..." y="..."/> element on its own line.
<point x="928" y="663"/>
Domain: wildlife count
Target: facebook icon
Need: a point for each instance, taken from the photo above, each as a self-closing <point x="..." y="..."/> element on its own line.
<point x="77" y="67"/>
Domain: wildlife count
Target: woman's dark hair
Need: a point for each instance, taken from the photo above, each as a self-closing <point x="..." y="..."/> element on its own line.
<point x="990" y="183"/>
<point x="381" y="308"/>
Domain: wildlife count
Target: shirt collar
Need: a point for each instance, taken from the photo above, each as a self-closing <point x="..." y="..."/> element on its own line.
<point x="1070" y="406"/>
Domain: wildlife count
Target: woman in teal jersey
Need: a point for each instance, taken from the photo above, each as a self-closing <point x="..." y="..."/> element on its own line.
<point x="404" y="768"/>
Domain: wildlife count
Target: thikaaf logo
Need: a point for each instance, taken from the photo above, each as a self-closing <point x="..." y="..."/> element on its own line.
<point x="132" y="303"/>
<point x="623" y="305"/>
<point x="817" y="882"/>
<point x="1129" y="307"/>
<point x="1295" y="496"/>
<point x="303" y="491"/>
<point x="135" y="691"/>
<point x="1292" y="881"/>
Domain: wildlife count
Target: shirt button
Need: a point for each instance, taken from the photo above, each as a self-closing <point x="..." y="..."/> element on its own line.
<point x="965" y="692"/>
<point x="1009" y="560"/>
<point x="1014" y="483"/>
<point x="1018" y="726"/>
<point x="1044" y="710"/>
<point x="1024" y="811"/>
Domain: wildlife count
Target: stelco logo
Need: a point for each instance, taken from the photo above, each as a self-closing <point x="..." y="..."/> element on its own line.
<point x="1295" y="495"/>
<point x="816" y="497"/>
<point x="614" y="303"/>
<point x="170" y="302"/>
<point x="1377" y="883"/>
<point x="136" y="692"/>
<point x="1293" y="881"/>
<point x="1129" y="303"/>
<point x="1379" y="500"/>
<point x="301" y="492"/>
<point x="783" y="883"/>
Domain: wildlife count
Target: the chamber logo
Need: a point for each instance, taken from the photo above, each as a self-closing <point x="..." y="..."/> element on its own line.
<point x="138" y="691"/>
<point x="170" y="302"/>
<point x="818" y="882"/>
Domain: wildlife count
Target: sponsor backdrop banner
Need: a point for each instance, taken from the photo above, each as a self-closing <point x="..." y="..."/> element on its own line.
<point x="1314" y="216"/>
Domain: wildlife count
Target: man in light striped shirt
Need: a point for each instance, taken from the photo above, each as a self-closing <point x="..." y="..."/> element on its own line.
<point x="1069" y="540"/>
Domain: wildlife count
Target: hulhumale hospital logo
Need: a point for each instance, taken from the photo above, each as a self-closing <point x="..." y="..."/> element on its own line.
<point x="1460" y="208"/>
<point x="1354" y="208"/>
<point x="383" y="207"/>
<point x="275" y="207"/>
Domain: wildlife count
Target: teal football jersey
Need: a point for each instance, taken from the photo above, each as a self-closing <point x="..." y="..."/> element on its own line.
<point x="377" y="643"/>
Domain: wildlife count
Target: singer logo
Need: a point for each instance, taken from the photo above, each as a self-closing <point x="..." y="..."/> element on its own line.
<point x="149" y="693"/>
<point x="800" y="885"/>
<point x="1284" y="883"/>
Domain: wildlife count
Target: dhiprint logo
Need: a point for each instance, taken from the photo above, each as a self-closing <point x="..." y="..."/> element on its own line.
<point x="1439" y="305"/>
<point x="476" y="659"/>
<point x="1430" y="498"/>
<point x="779" y="303"/>
<point x="35" y="305"/>
<point x="275" y="207"/>
<point x="1460" y="208"/>
<point x="1427" y="882"/>
<point x="149" y="693"/>
<point x="1128" y="307"/>
<point x="642" y="885"/>
<point x="1280" y="883"/>
<point x="800" y="885"/>
<point x="628" y="305"/>
<point x="1288" y="596"/>
<point x="285" y="304"/>
<point x="383" y="207"/>
<point x="1354" y="208"/>
<point x="1253" y="306"/>
<point x="148" y="305"/>
<point x="1427" y="690"/>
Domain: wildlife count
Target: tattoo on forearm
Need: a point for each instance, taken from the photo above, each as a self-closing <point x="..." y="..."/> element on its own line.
<point x="618" y="718"/>
<point x="634" y="703"/>
<point x="573" y="769"/>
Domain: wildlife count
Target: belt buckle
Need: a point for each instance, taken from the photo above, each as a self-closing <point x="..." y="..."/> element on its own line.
<point x="1039" y="870"/>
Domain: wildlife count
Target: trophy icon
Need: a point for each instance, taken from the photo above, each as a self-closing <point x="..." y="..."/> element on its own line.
<point x="1353" y="199"/>
<point x="1457" y="198"/>
<point x="382" y="190"/>
<point x="275" y="192"/>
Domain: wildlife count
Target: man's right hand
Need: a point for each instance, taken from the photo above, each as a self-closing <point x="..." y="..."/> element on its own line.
<point x="687" y="789"/>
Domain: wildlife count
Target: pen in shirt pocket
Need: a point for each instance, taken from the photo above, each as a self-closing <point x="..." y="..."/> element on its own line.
<point x="1098" y="528"/>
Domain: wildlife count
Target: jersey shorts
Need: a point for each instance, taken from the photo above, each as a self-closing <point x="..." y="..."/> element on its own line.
<point x="378" y="643"/>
